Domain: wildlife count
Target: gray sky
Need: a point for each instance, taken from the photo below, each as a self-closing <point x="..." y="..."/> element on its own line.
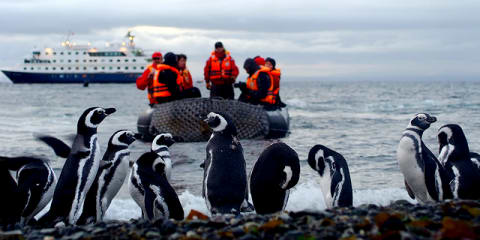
<point x="343" y="39"/>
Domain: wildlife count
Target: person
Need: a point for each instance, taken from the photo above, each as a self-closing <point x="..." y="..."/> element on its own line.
<point x="145" y="80"/>
<point x="259" y="61"/>
<point x="220" y="73"/>
<point x="275" y="72"/>
<point x="163" y="83"/>
<point x="259" y="86"/>
<point x="187" y="90"/>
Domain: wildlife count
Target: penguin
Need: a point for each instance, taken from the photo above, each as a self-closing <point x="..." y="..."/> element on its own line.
<point x="224" y="179"/>
<point x="10" y="208"/>
<point x="36" y="183"/>
<point x="335" y="179"/>
<point x="79" y="170"/>
<point x="149" y="186"/>
<point x="455" y="156"/>
<point x="425" y="177"/>
<point x="276" y="171"/>
<point x="110" y="176"/>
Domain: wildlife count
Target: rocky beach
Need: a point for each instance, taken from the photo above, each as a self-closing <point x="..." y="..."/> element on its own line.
<point x="399" y="220"/>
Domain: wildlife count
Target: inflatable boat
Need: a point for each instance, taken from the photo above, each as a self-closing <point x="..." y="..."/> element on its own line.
<point x="184" y="119"/>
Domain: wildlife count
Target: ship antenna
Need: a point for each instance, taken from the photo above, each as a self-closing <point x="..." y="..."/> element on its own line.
<point x="130" y="37"/>
<point x="67" y="43"/>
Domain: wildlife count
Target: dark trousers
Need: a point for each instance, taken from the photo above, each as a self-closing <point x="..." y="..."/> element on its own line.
<point x="224" y="91"/>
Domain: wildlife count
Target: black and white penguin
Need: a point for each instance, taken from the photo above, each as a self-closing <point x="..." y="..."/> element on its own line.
<point x="149" y="186"/>
<point x="36" y="183"/>
<point x="79" y="170"/>
<point x="335" y="179"/>
<point x="424" y="175"/>
<point x="455" y="157"/>
<point x="275" y="172"/>
<point x="113" y="170"/>
<point x="10" y="208"/>
<point x="224" y="179"/>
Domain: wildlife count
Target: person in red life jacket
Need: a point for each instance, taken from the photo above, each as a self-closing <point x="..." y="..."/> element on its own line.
<point x="259" y="86"/>
<point x="145" y="80"/>
<point x="275" y="72"/>
<point x="163" y="87"/>
<point x="187" y="90"/>
<point x="259" y="61"/>
<point x="220" y="73"/>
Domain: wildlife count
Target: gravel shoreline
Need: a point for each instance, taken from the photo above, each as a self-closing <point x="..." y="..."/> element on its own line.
<point x="399" y="220"/>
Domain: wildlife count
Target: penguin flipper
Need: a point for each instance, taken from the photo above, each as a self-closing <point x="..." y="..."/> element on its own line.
<point x="409" y="190"/>
<point x="149" y="203"/>
<point x="60" y="148"/>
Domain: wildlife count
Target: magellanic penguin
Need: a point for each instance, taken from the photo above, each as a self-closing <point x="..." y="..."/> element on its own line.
<point x="79" y="170"/>
<point x="276" y="171"/>
<point x="36" y="183"/>
<point x="455" y="157"/>
<point x="335" y="179"/>
<point x="224" y="178"/>
<point x="110" y="177"/>
<point x="425" y="177"/>
<point x="149" y="186"/>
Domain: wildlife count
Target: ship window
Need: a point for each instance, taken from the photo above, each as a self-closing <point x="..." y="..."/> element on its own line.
<point x="46" y="68"/>
<point x="76" y="68"/>
<point x="84" y="60"/>
<point x="84" y="53"/>
<point x="134" y="68"/>
<point x="111" y="60"/>
<point x="54" y="68"/>
<point x="89" y="60"/>
<point x="95" y="68"/>
<point x="142" y="67"/>
<point x="69" y="60"/>
<point x="61" y="60"/>
<point x="54" y="60"/>
<point x="25" y="68"/>
<point x="61" y="68"/>
<point x="110" y="68"/>
<point x="126" y="68"/>
<point x="76" y="53"/>
<point x="31" y="68"/>
<point x="54" y="53"/>
<point x="69" y="53"/>
<point x="84" y="68"/>
<point x="46" y="53"/>
<point x="61" y="53"/>
<point x="134" y="60"/>
<point x="103" y="68"/>
<point x="95" y="60"/>
<point x="76" y="60"/>
<point x="118" y="68"/>
<point x="118" y="60"/>
<point x="126" y="60"/>
<point x="69" y="68"/>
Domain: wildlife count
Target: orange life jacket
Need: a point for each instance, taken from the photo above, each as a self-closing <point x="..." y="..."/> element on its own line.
<point x="276" y="81"/>
<point x="252" y="85"/>
<point x="220" y="69"/>
<point x="158" y="89"/>
<point x="186" y="82"/>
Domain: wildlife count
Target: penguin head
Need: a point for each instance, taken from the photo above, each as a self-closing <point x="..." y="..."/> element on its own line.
<point x="422" y="121"/>
<point x="321" y="159"/>
<point x="92" y="117"/>
<point x="220" y="122"/>
<point x="161" y="141"/>
<point x="32" y="184"/>
<point x="452" y="143"/>
<point x="122" y="138"/>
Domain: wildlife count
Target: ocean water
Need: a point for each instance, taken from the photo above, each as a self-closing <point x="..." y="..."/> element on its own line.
<point x="361" y="120"/>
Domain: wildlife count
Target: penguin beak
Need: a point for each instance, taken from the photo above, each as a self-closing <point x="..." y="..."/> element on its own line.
<point x="109" y="111"/>
<point x="431" y="119"/>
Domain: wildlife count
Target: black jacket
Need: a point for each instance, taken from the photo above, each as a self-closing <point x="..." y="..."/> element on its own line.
<point x="263" y="82"/>
<point x="169" y="77"/>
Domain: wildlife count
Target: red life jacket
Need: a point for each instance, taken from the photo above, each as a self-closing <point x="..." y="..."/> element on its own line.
<point x="186" y="82"/>
<point x="276" y="81"/>
<point x="220" y="70"/>
<point x="158" y="89"/>
<point x="252" y="85"/>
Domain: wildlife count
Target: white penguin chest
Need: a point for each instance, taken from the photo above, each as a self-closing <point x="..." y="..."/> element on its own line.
<point x="407" y="153"/>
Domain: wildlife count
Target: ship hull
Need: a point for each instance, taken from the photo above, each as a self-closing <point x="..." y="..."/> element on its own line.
<point x="25" y="77"/>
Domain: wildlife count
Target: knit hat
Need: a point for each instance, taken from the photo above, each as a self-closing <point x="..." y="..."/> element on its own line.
<point x="259" y="60"/>
<point x="157" y="55"/>
<point x="170" y="59"/>
<point x="218" y="45"/>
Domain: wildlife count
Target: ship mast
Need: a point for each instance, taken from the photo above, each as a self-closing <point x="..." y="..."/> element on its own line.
<point x="130" y="37"/>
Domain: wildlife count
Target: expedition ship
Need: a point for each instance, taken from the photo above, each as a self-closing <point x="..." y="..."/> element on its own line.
<point x="72" y="63"/>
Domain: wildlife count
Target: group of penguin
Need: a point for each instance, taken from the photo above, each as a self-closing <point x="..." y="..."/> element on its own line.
<point x="88" y="183"/>
<point x="453" y="175"/>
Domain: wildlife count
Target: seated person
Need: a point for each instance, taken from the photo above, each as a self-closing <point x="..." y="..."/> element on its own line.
<point x="187" y="90"/>
<point x="270" y="63"/>
<point x="146" y="79"/>
<point x="259" y="86"/>
<point x="165" y="81"/>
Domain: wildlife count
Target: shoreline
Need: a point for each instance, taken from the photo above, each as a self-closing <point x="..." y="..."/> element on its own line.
<point x="399" y="220"/>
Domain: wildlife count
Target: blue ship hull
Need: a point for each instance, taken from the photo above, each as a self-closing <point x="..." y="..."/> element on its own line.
<point x="24" y="77"/>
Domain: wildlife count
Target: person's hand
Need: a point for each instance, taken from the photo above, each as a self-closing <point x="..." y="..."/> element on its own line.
<point x="208" y="85"/>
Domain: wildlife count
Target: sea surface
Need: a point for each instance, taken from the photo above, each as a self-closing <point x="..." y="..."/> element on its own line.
<point x="361" y="120"/>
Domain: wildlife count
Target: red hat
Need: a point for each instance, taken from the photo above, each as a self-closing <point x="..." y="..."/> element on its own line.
<point x="157" y="55"/>
<point x="259" y="60"/>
